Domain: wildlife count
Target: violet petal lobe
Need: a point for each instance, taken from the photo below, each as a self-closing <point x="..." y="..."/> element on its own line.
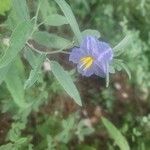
<point x="76" y="55"/>
<point x="90" y="44"/>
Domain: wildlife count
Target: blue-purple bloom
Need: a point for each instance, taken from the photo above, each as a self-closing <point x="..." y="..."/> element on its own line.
<point x="92" y="57"/>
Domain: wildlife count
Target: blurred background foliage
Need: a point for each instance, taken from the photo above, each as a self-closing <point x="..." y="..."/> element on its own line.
<point x="54" y="122"/>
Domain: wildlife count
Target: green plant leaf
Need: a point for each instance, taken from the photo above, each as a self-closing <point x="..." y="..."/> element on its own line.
<point x="21" y="9"/>
<point x="6" y="146"/>
<point x="47" y="8"/>
<point x="125" y="67"/>
<point x="120" y="47"/>
<point x="66" y="82"/>
<point x="70" y="18"/>
<point x="50" y="40"/>
<point x="118" y="64"/>
<point x="18" y="39"/>
<point x="56" y="20"/>
<point x="30" y="56"/>
<point x="19" y="13"/>
<point x="91" y="32"/>
<point x="116" y="135"/>
<point x="3" y="72"/>
<point x="5" y="5"/>
<point x="14" y="84"/>
<point x="34" y="74"/>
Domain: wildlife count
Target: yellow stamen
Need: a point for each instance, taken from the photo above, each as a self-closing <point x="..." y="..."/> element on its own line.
<point x="86" y="62"/>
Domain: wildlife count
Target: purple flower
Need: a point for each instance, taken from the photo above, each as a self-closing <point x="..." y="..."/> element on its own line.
<point x="92" y="57"/>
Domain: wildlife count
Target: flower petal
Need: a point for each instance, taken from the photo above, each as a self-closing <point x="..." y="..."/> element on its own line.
<point x="100" y="70"/>
<point x="105" y="57"/>
<point x="85" y="72"/>
<point x="90" y="44"/>
<point x="76" y="55"/>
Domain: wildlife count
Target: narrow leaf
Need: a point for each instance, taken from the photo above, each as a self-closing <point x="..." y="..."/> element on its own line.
<point x="17" y="42"/>
<point x="6" y="146"/>
<point x="15" y="86"/>
<point x="18" y="14"/>
<point x="71" y="19"/>
<point x="21" y="9"/>
<point x="118" y="64"/>
<point x="3" y="72"/>
<point x="65" y="81"/>
<point x="47" y="8"/>
<point x="56" y="20"/>
<point x="30" y="56"/>
<point x="119" y="48"/>
<point x="34" y="74"/>
<point x="125" y="67"/>
<point x="116" y="135"/>
<point x="50" y="40"/>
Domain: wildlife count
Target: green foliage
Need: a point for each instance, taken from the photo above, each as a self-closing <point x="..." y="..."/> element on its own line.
<point x="50" y="40"/>
<point x="5" y="6"/>
<point x="70" y="18"/>
<point x="116" y="135"/>
<point x="34" y="74"/>
<point x="21" y="10"/>
<point x="56" y="20"/>
<point x="122" y="45"/>
<point x="14" y="84"/>
<point x="65" y="81"/>
<point x="3" y="72"/>
<point x="17" y="42"/>
<point x="19" y="13"/>
<point x="33" y="37"/>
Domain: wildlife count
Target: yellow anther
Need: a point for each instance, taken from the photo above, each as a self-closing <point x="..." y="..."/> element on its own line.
<point x="86" y="62"/>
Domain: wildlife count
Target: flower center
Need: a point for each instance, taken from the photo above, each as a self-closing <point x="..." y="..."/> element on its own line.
<point x="86" y="62"/>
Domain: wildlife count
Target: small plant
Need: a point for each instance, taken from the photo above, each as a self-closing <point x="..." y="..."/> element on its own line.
<point x="35" y="36"/>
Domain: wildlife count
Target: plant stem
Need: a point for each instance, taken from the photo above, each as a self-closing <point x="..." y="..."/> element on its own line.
<point x="47" y="53"/>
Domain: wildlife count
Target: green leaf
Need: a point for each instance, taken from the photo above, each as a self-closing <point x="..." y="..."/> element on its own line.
<point x="21" y="141"/>
<point x="14" y="133"/>
<point x="70" y="18"/>
<point x="34" y="74"/>
<point x="56" y="20"/>
<point x="118" y="64"/>
<point x="50" y="40"/>
<point x="4" y="6"/>
<point x="14" y="84"/>
<point x="21" y="9"/>
<point x="116" y="135"/>
<point x="18" y="39"/>
<point x="91" y="32"/>
<point x="66" y="82"/>
<point x="30" y="56"/>
<point x="3" y="72"/>
<point x="6" y="146"/>
<point x="47" y="8"/>
<point x="125" y="67"/>
<point x="119" y="48"/>
<point x="18" y="14"/>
